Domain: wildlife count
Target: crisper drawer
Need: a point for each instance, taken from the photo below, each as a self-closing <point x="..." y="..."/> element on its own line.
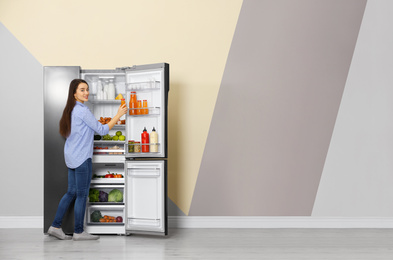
<point x="106" y="195"/>
<point x="105" y="215"/>
<point x="108" y="173"/>
<point x="108" y="147"/>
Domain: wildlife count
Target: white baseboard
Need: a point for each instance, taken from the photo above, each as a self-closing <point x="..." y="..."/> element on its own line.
<point x="277" y="222"/>
<point x="233" y="222"/>
<point x="21" y="222"/>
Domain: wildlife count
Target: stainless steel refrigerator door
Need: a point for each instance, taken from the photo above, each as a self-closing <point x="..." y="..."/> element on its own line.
<point x="56" y="85"/>
<point x="146" y="193"/>
<point x="151" y="83"/>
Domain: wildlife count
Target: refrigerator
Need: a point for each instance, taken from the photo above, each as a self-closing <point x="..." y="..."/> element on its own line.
<point x="129" y="172"/>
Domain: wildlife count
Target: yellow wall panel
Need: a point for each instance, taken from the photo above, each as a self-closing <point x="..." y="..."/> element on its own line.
<point x="194" y="37"/>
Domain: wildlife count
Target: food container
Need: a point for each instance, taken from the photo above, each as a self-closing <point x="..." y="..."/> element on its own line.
<point x="131" y="146"/>
<point x="137" y="147"/>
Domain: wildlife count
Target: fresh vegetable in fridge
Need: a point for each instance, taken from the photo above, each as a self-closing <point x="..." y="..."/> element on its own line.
<point x="95" y="216"/>
<point x="115" y="196"/>
<point x="93" y="195"/>
<point x="109" y="175"/>
<point x="107" y="137"/>
<point x="103" y="197"/>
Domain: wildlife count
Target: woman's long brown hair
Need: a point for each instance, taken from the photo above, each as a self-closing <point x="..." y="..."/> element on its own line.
<point x="65" y="121"/>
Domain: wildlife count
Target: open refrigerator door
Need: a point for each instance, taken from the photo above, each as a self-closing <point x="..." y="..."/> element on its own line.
<point x="146" y="123"/>
<point x="146" y="210"/>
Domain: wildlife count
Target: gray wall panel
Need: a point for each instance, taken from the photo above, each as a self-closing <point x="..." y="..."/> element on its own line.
<point x="276" y="107"/>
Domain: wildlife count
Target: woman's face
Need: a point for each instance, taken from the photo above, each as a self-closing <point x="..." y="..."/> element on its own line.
<point x="82" y="93"/>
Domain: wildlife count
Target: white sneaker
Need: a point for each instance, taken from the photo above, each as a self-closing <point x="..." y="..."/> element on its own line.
<point x="58" y="233"/>
<point x="84" y="236"/>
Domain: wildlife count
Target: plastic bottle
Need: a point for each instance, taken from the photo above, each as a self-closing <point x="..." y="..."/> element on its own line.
<point x="145" y="140"/>
<point x="100" y="93"/>
<point x="105" y="96"/>
<point x="153" y="141"/>
<point x="139" y="106"/>
<point x="111" y="90"/>
<point x="132" y="104"/>
<point x="145" y="109"/>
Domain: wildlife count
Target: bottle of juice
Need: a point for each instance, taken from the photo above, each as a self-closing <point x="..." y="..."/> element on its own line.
<point x="132" y="105"/>
<point x="145" y="140"/>
<point x="123" y="102"/>
<point x="153" y="141"/>
<point x="139" y="106"/>
<point x="145" y="109"/>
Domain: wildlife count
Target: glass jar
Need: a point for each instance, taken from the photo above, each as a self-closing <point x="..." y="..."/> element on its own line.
<point x="137" y="147"/>
<point x="131" y="146"/>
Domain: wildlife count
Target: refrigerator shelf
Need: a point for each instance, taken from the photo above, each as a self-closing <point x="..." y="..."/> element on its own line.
<point x="113" y="158"/>
<point x="107" y="152"/>
<point x="119" y="126"/>
<point x="106" y="203"/>
<point x="108" y="141"/>
<point x="105" y="101"/>
<point x="144" y="86"/>
<point x="107" y="181"/>
<point x="105" y="223"/>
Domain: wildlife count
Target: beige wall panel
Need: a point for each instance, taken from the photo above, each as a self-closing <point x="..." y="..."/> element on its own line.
<point x="193" y="36"/>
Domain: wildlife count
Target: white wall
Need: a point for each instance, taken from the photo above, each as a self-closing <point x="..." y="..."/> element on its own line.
<point x="357" y="178"/>
<point x="21" y="129"/>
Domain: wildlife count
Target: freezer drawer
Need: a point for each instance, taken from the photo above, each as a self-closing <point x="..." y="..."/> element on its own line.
<point x="146" y="197"/>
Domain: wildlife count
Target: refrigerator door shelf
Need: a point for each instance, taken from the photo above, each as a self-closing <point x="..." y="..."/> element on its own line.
<point x="144" y="86"/>
<point x="152" y="111"/>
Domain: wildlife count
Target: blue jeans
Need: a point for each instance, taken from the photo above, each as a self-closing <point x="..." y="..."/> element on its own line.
<point x="78" y="189"/>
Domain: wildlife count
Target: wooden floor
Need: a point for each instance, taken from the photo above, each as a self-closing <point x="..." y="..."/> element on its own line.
<point x="185" y="244"/>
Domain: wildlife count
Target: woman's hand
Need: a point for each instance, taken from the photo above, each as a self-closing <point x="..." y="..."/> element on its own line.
<point x="120" y="112"/>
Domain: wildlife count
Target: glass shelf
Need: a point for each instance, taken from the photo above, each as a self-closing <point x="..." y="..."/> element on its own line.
<point x="105" y="101"/>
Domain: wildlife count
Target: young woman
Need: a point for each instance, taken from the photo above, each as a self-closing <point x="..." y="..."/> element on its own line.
<point x="78" y="126"/>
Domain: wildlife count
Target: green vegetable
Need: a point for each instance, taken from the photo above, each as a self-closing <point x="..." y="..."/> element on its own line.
<point x="107" y="137"/>
<point x="95" y="216"/>
<point x="119" y="133"/>
<point x="93" y="195"/>
<point x="115" y="196"/>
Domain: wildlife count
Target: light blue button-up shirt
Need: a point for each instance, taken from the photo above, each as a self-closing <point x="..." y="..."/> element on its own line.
<point x="79" y="144"/>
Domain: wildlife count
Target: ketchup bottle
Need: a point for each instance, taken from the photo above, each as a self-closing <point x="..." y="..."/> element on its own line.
<point x="145" y="140"/>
